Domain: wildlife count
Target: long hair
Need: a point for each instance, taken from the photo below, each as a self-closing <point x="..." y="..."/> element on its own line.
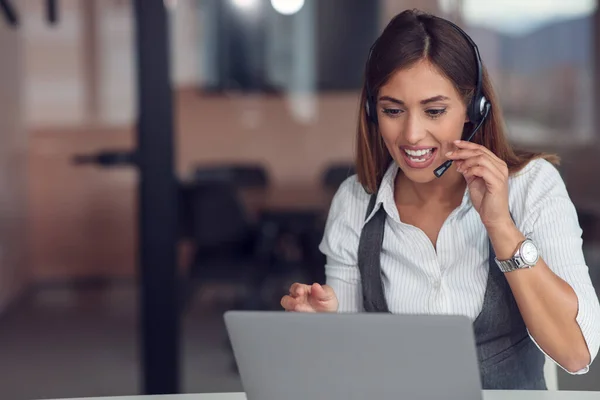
<point x="412" y="36"/>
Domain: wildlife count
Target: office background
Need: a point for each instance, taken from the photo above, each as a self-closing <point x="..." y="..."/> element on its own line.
<point x="265" y="102"/>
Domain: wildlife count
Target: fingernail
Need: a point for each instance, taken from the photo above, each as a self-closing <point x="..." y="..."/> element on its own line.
<point x="448" y="154"/>
<point x="457" y="141"/>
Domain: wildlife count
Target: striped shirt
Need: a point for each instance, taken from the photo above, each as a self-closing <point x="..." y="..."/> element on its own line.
<point x="452" y="280"/>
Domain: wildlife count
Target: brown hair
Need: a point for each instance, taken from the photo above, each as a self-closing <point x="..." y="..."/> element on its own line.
<point x="412" y="36"/>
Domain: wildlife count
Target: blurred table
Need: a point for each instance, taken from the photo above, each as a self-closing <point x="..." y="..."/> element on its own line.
<point x="487" y="395"/>
<point x="285" y="198"/>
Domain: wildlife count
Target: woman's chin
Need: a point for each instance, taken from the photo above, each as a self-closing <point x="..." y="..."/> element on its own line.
<point x="420" y="176"/>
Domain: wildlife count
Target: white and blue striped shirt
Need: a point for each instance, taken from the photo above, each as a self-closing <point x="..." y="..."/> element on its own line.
<point x="452" y="280"/>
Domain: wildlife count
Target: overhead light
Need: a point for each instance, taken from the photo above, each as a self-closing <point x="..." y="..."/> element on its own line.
<point x="287" y="7"/>
<point x="244" y="4"/>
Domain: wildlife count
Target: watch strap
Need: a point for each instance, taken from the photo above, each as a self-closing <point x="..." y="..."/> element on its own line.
<point x="515" y="262"/>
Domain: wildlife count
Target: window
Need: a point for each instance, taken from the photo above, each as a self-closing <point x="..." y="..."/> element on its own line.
<point x="540" y="57"/>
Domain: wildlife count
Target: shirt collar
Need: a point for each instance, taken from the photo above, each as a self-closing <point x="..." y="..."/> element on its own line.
<point x="385" y="195"/>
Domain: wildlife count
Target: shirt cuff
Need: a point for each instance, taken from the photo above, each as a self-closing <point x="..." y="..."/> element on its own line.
<point x="580" y="372"/>
<point x="587" y="319"/>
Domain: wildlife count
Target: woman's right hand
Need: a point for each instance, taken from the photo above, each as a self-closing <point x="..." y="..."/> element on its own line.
<point x="310" y="298"/>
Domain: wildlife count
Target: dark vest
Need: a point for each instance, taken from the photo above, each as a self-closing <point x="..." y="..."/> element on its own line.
<point x="508" y="358"/>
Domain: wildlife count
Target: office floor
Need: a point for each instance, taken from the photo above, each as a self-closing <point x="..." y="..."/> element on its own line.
<point x="61" y="343"/>
<point x="65" y="343"/>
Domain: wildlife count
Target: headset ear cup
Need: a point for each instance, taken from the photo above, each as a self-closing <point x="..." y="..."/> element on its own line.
<point x="476" y="109"/>
<point x="481" y="106"/>
<point x="485" y="106"/>
<point x="370" y="110"/>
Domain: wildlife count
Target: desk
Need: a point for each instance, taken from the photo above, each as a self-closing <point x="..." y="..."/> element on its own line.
<point x="286" y="198"/>
<point x="487" y="395"/>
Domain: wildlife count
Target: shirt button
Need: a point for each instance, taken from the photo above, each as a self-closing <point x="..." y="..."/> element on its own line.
<point x="437" y="284"/>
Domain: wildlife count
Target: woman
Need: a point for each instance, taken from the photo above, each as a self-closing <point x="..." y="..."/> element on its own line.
<point x="494" y="236"/>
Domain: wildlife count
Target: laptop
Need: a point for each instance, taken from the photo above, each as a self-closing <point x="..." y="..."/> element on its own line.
<point x="312" y="356"/>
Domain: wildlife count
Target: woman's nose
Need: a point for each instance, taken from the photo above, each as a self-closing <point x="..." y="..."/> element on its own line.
<point x="414" y="131"/>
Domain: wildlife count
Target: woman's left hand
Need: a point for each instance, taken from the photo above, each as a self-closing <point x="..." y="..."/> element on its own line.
<point x="487" y="180"/>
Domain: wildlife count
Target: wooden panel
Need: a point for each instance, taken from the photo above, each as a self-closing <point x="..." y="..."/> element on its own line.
<point x="82" y="218"/>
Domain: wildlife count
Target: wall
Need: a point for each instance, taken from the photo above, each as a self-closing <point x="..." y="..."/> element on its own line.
<point x="83" y="219"/>
<point x="13" y="142"/>
<point x="55" y="86"/>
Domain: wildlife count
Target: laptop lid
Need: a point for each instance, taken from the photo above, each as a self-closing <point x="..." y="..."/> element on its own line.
<point x="300" y="356"/>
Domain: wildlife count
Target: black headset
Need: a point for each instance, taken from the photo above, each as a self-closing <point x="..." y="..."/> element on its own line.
<point x="477" y="110"/>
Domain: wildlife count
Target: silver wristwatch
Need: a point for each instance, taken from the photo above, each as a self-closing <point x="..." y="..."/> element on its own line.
<point x="527" y="256"/>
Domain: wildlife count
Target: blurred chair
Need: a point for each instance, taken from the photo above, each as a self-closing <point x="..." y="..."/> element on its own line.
<point x="225" y="241"/>
<point x="335" y="174"/>
<point x="291" y="243"/>
<point x="240" y="176"/>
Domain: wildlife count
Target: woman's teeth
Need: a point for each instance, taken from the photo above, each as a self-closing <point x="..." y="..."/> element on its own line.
<point x="419" y="155"/>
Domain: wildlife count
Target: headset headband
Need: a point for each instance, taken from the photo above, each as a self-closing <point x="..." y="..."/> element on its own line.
<point x="477" y="105"/>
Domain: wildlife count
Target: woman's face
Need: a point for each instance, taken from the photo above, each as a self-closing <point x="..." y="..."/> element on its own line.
<point x="420" y="114"/>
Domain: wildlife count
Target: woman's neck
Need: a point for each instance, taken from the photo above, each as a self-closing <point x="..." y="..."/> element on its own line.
<point x="446" y="191"/>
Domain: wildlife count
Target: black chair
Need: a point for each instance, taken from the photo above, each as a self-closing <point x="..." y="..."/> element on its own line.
<point x="335" y="174"/>
<point x="239" y="175"/>
<point x="226" y="242"/>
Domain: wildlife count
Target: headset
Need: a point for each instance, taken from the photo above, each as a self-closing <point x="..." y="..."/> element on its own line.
<point x="477" y="110"/>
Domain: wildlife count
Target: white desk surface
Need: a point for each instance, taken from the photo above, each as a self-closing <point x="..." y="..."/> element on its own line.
<point x="487" y="395"/>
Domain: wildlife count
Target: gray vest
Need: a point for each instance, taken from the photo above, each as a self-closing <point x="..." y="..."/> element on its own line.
<point x="508" y="358"/>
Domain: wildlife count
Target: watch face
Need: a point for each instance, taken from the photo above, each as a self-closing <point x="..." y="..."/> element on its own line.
<point x="529" y="253"/>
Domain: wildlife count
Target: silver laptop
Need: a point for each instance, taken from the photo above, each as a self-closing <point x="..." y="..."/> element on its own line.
<point x="302" y="356"/>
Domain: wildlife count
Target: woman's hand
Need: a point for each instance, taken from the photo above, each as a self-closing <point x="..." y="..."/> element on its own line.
<point x="487" y="180"/>
<point x="310" y="298"/>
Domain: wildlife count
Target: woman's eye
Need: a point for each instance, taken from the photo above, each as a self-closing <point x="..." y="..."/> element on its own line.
<point x="391" y="111"/>
<point x="434" y="113"/>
